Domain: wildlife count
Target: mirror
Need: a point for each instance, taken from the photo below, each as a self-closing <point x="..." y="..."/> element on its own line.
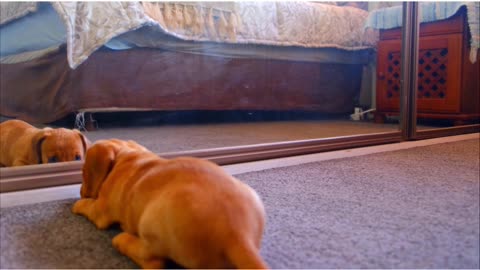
<point x="448" y="67"/>
<point x="205" y="75"/>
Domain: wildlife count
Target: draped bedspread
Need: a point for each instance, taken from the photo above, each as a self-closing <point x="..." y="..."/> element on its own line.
<point x="90" y="25"/>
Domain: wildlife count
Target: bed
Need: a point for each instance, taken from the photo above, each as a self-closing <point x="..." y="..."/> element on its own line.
<point x="63" y="58"/>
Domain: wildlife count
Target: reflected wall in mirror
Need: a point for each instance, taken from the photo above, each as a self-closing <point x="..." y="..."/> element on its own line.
<point x="214" y="75"/>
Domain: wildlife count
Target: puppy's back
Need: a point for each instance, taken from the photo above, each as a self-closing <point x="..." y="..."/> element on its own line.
<point x="14" y="126"/>
<point x="14" y="140"/>
<point x="208" y="207"/>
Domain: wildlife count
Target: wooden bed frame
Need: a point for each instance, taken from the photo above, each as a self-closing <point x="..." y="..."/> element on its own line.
<point x="46" y="89"/>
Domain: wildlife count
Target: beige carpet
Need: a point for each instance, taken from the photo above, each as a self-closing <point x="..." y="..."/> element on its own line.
<point x="409" y="209"/>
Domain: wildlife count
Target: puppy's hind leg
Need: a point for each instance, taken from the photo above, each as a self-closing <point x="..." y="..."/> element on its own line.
<point x="134" y="248"/>
<point x="94" y="210"/>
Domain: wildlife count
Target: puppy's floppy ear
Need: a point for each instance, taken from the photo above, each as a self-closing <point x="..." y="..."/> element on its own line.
<point x="37" y="143"/>
<point x="85" y="142"/>
<point x="99" y="161"/>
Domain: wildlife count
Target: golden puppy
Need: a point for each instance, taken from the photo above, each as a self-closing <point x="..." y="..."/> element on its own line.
<point x="185" y="209"/>
<point x="24" y="144"/>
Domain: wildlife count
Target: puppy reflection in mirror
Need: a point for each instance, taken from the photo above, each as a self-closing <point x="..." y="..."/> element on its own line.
<point x="23" y="144"/>
<point x="186" y="210"/>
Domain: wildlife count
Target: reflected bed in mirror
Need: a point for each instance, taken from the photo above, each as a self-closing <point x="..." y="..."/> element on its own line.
<point x="241" y="62"/>
<point x="234" y="76"/>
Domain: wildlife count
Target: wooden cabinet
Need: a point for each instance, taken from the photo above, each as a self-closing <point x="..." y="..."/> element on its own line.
<point x="448" y="83"/>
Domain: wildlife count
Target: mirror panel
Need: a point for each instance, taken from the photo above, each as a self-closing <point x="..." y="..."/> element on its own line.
<point x="448" y="69"/>
<point x="171" y="94"/>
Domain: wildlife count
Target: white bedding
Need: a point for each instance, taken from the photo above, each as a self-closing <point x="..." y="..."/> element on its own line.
<point x="287" y="23"/>
<point x="90" y="25"/>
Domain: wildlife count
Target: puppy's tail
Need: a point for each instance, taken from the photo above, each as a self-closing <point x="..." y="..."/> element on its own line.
<point x="244" y="255"/>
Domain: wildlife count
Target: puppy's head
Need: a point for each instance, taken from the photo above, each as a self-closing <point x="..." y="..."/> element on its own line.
<point x="59" y="145"/>
<point x="99" y="162"/>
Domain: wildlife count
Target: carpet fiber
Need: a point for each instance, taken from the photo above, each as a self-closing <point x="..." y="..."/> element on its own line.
<point x="415" y="208"/>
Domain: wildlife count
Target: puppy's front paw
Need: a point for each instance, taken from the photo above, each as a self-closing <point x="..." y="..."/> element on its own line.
<point x="80" y="206"/>
<point x="121" y="241"/>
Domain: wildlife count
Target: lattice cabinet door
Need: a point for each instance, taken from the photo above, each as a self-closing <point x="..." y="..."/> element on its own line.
<point x="439" y="74"/>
